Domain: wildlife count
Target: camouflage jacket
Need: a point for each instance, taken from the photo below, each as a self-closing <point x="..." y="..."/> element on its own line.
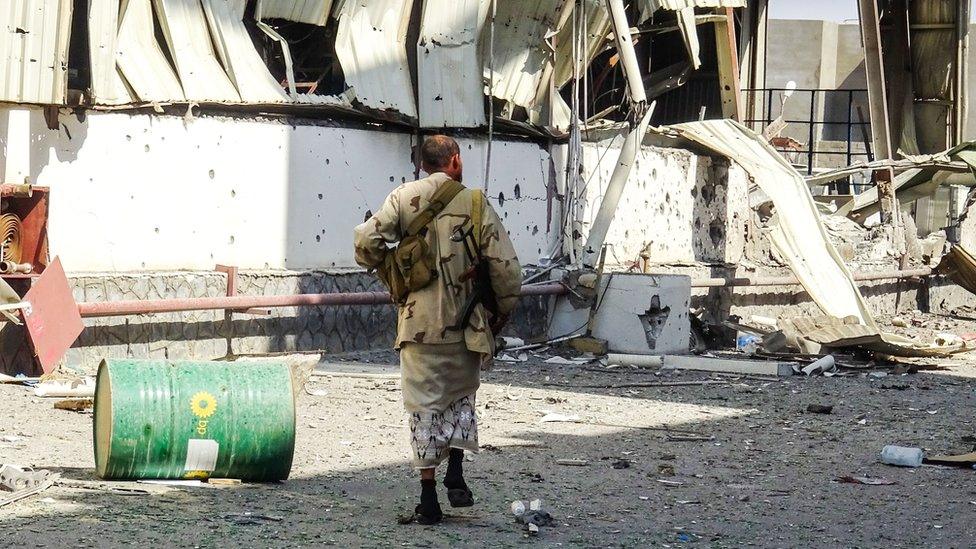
<point x="428" y="313"/>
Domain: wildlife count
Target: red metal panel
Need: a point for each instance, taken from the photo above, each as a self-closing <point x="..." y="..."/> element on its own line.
<point x="52" y="321"/>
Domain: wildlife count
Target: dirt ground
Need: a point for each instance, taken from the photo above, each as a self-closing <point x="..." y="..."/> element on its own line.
<point x="761" y="471"/>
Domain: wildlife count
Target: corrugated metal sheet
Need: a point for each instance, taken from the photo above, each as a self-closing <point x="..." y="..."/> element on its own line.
<point x="597" y="30"/>
<point x="185" y="28"/>
<point x="140" y="58"/>
<point x="371" y="47"/>
<point x="797" y="233"/>
<point x="244" y="65"/>
<point x="451" y="90"/>
<point x="648" y="7"/>
<point x="107" y="86"/>
<point x="521" y="58"/>
<point x="315" y="12"/>
<point x="34" y="50"/>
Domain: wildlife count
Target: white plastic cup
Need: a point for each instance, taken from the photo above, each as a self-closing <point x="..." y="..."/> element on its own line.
<point x="901" y="456"/>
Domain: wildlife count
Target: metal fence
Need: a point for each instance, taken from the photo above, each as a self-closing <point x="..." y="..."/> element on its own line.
<point x="815" y="116"/>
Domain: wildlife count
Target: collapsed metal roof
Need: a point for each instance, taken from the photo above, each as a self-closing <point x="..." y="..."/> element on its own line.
<point x="372" y="47"/>
<point x="34" y="50"/>
<point x="522" y="55"/>
<point x="449" y="76"/>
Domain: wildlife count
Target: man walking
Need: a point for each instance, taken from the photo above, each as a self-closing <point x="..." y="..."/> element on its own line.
<point x="445" y="332"/>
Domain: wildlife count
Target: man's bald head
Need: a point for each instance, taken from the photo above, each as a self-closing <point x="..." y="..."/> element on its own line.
<point x="440" y="153"/>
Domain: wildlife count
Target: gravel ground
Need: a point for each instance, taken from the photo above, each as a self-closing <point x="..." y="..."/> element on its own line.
<point x="761" y="471"/>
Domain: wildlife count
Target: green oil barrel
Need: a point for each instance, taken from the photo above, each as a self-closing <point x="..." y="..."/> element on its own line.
<point x="158" y="419"/>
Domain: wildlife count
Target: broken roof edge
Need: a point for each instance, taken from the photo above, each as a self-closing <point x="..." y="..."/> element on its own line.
<point x="342" y="116"/>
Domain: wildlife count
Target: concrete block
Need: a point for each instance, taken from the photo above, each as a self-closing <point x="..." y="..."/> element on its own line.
<point x="637" y="314"/>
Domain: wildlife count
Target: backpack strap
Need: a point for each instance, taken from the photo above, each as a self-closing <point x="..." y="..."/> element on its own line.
<point x="477" y="205"/>
<point x="438" y="201"/>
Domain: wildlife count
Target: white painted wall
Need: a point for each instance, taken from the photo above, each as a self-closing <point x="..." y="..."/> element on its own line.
<point x="146" y="192"/>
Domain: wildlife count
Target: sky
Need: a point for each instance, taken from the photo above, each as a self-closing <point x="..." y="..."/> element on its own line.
<point x="829" y="10"/>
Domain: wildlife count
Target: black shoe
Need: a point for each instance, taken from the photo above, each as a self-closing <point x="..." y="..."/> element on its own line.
<point x="460" y="497"/>
<point x="427" y="517"/>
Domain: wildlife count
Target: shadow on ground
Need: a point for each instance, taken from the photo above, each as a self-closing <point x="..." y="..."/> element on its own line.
<point x="767" y="477"/>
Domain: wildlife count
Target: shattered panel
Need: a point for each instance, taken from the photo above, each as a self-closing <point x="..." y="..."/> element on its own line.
<point x="313" y="12"/>
<point x="247" y="70"/>
<point x="521" y="59"/>
<point x="371" y="46"/>
<point x="34" y="50"/>
<point x="798" y="234"/>
<point x="451" y="92"/>
<point x="107" y="87"/>
<point x="141" y="59"/>
<point x="185" y="28"/>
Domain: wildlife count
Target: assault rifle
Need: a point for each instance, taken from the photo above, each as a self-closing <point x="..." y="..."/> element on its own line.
<point x="482" y="291"/>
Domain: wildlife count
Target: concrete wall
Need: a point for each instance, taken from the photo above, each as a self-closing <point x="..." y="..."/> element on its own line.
<point x="143" y="206"/>
<point x="144" y="193"/>
<point x="677" y="207"/>
<point x="147" y="192"/>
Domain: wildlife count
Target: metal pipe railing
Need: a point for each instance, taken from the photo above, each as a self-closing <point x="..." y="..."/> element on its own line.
<point x="245" y="302"/>
<point x="793" y="281"/>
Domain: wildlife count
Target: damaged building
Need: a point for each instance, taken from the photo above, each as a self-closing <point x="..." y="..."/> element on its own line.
<point x="183" y="149"/>
<point x="741" y="313"/>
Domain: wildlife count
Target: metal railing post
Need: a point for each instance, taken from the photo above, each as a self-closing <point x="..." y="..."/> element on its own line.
<point x="813" y="103"/>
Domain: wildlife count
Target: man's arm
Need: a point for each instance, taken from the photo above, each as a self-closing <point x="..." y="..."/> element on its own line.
<point x="372" y="236"/>
<point x="503" y="264"/>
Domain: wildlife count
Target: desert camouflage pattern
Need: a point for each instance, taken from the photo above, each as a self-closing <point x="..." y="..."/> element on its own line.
<point x="428" y="313"/>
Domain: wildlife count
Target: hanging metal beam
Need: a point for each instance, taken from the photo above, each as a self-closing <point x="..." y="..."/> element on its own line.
<point x="752" y="73"/>
<point x="962" y="71"/>
<point x="874" y="71"/>
<point x="728" y="65"/>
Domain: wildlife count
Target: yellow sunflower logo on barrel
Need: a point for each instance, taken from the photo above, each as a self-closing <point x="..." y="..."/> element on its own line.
<point x="203" y="405"/>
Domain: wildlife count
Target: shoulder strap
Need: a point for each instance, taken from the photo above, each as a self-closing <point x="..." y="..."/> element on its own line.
<point x="477" y="205"/>
<point x="438" y="201"/>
